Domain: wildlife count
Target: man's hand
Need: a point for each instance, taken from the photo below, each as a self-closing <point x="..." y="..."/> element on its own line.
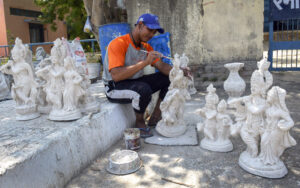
<point x="187" y="72"/>
<point x="152" y="56"/>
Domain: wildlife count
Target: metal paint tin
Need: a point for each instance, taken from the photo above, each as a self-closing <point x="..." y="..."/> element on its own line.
<point x="132" y="138"/>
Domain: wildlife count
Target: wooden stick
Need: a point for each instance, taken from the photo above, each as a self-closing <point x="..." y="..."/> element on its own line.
<point x="176" y="182"/>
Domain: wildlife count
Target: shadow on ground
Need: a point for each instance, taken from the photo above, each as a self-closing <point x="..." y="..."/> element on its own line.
<point x="197" y="167"/>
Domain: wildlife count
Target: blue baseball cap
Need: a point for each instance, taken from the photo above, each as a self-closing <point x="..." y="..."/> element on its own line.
<point x="151" y="21"/>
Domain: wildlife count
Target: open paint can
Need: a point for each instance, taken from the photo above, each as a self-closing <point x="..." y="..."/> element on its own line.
<point x="132" y="138"/>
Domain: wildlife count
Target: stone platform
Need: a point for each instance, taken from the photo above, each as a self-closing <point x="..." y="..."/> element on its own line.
<point x="43" y="153"/>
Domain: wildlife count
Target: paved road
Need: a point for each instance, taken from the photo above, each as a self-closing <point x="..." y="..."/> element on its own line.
<point x="194" y="166"/>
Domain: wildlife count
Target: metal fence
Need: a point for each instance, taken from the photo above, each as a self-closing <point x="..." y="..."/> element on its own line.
<point x="285" y="45"/>
<point x="284" y="35"/>
<point x="5" y="49"/>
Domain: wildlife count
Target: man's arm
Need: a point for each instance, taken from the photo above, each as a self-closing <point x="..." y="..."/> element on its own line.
<point x="125" y="72"/>
<point x="163" y="67"/>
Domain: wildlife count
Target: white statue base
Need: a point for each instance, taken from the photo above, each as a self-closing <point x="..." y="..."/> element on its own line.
<point x="218" y="146"/>
<point x="92" y="107"/>
<point x="26" y="112"/>
<point x="61" y="115"/>
<point x="170" y="131"/>
<point x="44" y="109"/>
<point x="256" y="167"/>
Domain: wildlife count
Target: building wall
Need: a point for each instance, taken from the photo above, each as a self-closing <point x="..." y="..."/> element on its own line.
<point x="208" y="31"/>
<point x="3" y="38"/>
<point x="20" y="28"/>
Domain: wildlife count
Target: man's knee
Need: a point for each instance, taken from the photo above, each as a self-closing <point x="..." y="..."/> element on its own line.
<point x="145" y="91"/>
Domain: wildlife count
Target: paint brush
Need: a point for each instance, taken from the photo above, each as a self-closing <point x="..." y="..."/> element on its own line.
<point x="161" y="56"/>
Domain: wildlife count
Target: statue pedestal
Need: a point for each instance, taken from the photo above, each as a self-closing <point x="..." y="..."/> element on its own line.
<point x="26" y="112"/>
<point x="170" y="131"/>
<point x="218" y="146"/>
<point x="61" y="115"/>
<point x="257" y="167"/>
<point x="44" y="109"/>
<point x="92" y="107"/>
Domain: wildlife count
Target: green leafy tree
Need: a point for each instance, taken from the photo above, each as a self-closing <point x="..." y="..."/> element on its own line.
<point x="70" y="11"/>
<point x="75" y="12"/>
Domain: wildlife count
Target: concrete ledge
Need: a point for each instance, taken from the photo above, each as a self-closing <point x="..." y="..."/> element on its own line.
<point x="43" y="153"/>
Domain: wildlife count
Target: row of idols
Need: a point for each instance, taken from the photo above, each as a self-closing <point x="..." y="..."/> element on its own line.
<point x="261" y="119"/>
<point x="56" y="86"/>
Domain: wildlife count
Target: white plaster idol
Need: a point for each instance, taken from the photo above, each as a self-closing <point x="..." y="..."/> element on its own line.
<point x="88" y="102"/>
<point x="216" y="124"/>
<point x="240" y="117"/>
<point x="4" y="87"/>
<point x="72" y="91"/>
<point x="267" y="120"/>
<point x="24" y="88"/>
<point x="255" y="105"/>
<point x="274" y="139"/>
<point x="172" y="123"/>
<point x="263" y="74"/>
<point x="28" y="57"/>
<point x="56" y="85"/>
<point x="43" y="79"/>
<point x="209" y="113"/>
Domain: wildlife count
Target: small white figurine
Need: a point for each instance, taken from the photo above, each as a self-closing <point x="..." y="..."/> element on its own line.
<point x="88" y="102"/>
<point x="43" y="78"/>
<point x="223" y="126"/>
<point x="209" y="113"/>
<point x="4" y="87"/>
<point x="172" y="123"/>
<point x="240" y="117"/>
<point x="217" y="123"/>
<point x="24" y="88"/>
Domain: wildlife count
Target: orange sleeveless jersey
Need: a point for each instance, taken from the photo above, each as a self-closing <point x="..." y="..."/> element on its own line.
<point x="118" y="48"/>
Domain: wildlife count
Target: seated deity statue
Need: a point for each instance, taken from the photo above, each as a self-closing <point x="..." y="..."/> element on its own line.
<point x="40" y="53"/>
<point x="24" y="88"/>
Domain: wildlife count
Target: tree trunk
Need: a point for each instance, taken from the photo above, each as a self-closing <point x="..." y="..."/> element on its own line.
<point x="103" y="12"/>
